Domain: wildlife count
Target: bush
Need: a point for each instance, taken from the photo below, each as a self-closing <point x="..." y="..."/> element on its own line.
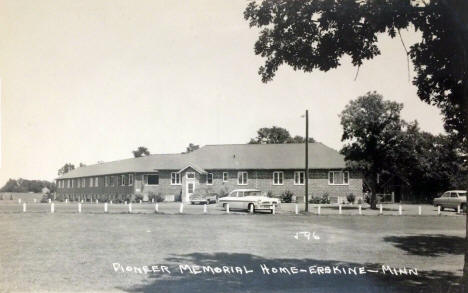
<point x="359" y="201"/>
<point x="287" y="196"/>
<point x="138" y="197"/>
<point x="325" y="199"/>
<point x="178" y="197"/>
<point x="269" y="194"/>
<point x="223" y="192"/>
<point x="315" y="200"/>
<point x="351" y="198"/>
<point x="157" y="197"/>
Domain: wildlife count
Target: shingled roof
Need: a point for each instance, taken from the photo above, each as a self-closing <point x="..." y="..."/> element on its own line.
<point x="223" y="157"/>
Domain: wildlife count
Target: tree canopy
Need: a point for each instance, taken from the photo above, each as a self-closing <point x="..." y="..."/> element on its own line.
<point x="140" y="152"/>
<point x="66" y="168"/>
<point x="272" y="135"/>
<point x="314" y="34"/>
<point x="24" y="185"/>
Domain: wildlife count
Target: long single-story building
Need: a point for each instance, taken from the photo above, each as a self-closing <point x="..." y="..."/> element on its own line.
<point x="271" y="168"/>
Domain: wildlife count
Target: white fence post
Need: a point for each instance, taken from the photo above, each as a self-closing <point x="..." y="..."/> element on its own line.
<point x="79" y="208"/>
<point x="273" y="210"/>
<point x="400" y="210"/>
<point x="130" y="207"/>
<point x="52" y="208"/>
<point x="297" y="209"/>
<point x="419" y="210"/>
<point x="152" y="200"/>
<point x="140" y="201"/>
<point x="339" y="209"/>
<point x="66" y="200"/>
<point x="19" y="200"/>
<point x="227" y="208"/>
<point x="50" y="200"/>
<point x="181" y="208"/>
<point x="438" y="210"/>
<point x="381" y="209"/>
<point x="251" y="208"/>
<point x="97" y="201"/>
<point x="35" y="200"/>
<point x="125" y="202"/>
<point x="105" y="207"/>
<point x="111" y="202"/>
<point x="204" y="208"/>
<point x="156" y="208"/>
<point x="24" y="207"/>
<point x="360" y="209"/>
<point x="458" y="209"/>
<point x="318" y="209"/>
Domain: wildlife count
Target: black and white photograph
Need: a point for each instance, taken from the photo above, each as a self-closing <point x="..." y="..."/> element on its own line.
<point x="233" y="146"/>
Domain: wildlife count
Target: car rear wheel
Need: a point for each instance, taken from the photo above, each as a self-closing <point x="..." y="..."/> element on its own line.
<point x="463" y="208"/>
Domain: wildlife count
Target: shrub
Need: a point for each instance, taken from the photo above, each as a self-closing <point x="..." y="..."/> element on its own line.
<point x="138" y="197"/>
<point x="315" y="200"/>
<point x="359" y="201"/>
<point x="178" y="197"/>
<point x="223" y="192"/>
<point x="325" y="199"/>
<point x="156" y="196"/>
<point x="287" y="196"/>
<point x="351" y="198"/>
<point x="269" y="194"/>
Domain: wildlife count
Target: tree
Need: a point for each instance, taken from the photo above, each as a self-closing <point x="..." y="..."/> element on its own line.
<point x="312" y="34"/>
<point x="66" y="168"/>
<point x="82" y="165"/>
<point x="276" y="134"/>
<point x="140" y="152"/>
<point x="370" y="126"/>
<point x="191" y="147"/>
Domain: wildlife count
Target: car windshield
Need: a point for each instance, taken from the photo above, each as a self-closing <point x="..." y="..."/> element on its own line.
<point x="462" y="193"/>
<point x="252" y="193"/>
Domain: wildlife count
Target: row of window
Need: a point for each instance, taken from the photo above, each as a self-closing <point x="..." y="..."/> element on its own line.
<point x="334" y="178"/>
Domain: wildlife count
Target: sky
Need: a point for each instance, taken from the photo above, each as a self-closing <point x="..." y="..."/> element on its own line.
<point x="91" y="80"/>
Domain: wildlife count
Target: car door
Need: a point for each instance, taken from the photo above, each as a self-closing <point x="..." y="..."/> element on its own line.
<point x="445" y="200"/>
<point x="237" y="203"/>
<point x="453" y="200"/>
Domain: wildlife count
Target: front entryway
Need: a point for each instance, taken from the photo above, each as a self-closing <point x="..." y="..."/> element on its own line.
<point x="189" y="184"/>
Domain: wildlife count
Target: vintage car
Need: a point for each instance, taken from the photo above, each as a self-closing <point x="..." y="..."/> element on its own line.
<point x="452" y="199"/>
<point x="247" y="199"/>
<point x="201" y="199"/>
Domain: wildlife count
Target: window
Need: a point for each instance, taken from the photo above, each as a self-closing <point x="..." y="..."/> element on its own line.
<point x="72" y="182"/>
<point x="190" y="175"/>
<point x="83" y="182"/>
<point x="242" y="178"/>
<point x="130" y="179"/>
<point x="123" y="180"/>
<point x="111" y="180"/>
<point x="91" y="182"/>
<point x="278" y="178"/>
<point x="68" y="183"/>
<point x="225" y="176"/>
<point x="299" y="178"/>
<point x="78" y="183"/>
<point x="209" y="179"/>
<point x="96" y="181"/>
<point x="175" y="178"/>
<point x="151" y="179"/>
<point x="338" y="178"/>
<point x="106" y="181"/>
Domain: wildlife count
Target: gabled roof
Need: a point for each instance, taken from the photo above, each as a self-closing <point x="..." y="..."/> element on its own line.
<point x="223" y="157"/>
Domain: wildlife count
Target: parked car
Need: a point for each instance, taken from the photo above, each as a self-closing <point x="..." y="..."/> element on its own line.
<point x="201" y="199"/>
<point x="247" y="199"/>
<point x="452" y="199"/>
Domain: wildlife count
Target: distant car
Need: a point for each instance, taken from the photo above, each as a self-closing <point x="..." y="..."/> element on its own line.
<point x="200" y="199"/>
<point x="247" y="199"/>
<point x="452" y="199"/>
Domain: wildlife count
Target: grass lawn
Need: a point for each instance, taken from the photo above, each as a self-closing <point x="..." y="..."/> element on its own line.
<point x="76" y="252"/>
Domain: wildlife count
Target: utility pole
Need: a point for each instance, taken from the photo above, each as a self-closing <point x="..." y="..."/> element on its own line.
<point x="307" y="162"/>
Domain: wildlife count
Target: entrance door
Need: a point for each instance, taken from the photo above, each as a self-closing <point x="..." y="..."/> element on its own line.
<point x="190" y="184"/>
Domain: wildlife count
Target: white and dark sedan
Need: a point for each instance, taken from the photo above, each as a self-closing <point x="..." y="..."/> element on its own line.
<point x="452" y="199"/>
<point x="247" y="199"/>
